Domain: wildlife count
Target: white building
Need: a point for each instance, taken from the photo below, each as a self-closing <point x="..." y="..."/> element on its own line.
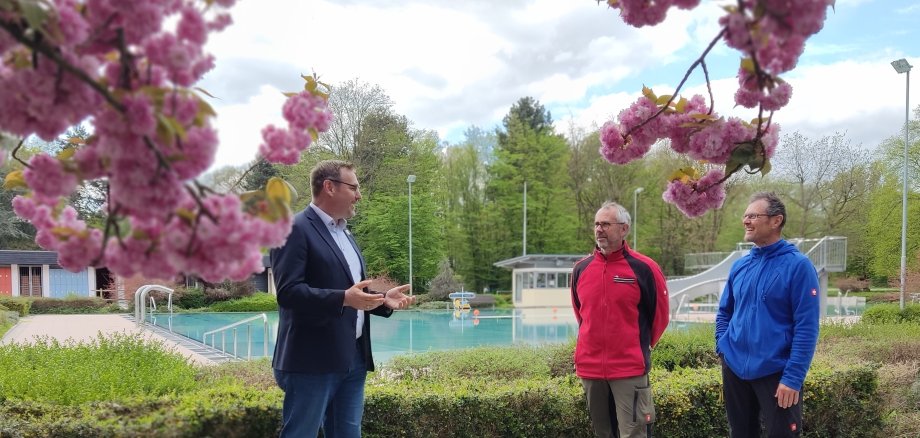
<point x="541" y="280"/>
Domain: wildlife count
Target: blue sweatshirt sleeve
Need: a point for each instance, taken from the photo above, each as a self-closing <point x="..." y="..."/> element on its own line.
<point x="805" y="303"/>
<point x="726" y="309"/>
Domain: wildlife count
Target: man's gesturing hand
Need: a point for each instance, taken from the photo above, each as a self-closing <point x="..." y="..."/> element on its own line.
<point x="397" y="299"/>
<point x="357" y="298"/>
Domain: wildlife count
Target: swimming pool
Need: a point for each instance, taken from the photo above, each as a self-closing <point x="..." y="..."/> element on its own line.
<point x="404" y="332"/>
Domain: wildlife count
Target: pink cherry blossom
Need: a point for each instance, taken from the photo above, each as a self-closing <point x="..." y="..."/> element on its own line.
<point x="694" y="198"/>
<point x="47" y="176"/>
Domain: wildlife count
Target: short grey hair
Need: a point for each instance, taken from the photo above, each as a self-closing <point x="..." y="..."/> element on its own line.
<point x="622" y="213"/>
<point x="775" y="207"/>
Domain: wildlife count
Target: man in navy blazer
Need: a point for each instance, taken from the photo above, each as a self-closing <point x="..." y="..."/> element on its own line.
<point x="323" y="349"/>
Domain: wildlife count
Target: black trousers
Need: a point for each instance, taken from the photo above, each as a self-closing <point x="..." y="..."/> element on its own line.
<point x="748" y="402"/>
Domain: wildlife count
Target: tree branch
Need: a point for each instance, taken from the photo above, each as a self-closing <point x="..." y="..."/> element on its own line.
<point x="693" y="66"/>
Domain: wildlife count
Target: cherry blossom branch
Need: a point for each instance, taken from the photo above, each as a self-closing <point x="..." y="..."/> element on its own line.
<point x="40" y="46"/>
<point x="15" y="150"/>
<point x="699" y="61"/>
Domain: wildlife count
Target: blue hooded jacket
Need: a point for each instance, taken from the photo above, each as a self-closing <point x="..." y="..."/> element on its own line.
<point x="768" y="315"/>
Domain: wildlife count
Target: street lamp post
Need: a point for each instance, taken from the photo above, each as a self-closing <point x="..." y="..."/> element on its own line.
<point x="410" y="180"/>
<point x="901" y="66"/>
<point x="635" y="221"/>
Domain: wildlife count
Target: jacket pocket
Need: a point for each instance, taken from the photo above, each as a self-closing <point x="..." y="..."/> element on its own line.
<point x="643" y="406"/>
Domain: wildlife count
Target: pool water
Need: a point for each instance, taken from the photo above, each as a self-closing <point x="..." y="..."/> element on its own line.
<point x="402" y="333"/>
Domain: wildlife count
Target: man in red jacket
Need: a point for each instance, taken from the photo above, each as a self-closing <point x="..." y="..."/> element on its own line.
<point x="621" y="303"/>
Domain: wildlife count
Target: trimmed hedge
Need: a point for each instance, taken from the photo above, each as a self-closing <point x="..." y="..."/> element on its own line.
<point x="16" y="304"/>
<point x="838" y="403"/>
<point x="258" y="302"/>
<point x="223" y="411"/>
<point x="72" y="305"/>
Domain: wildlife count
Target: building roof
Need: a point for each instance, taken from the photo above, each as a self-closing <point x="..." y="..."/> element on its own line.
<point x="540" y="261"/>
<point x="9" y="257"/>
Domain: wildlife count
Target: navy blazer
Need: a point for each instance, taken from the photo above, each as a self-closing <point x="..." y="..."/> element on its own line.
<point x="316" y="333"/>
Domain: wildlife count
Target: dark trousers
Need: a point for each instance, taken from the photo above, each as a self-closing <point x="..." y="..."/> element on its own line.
<point x="748" y="402"/>
<point x="331" y="401"/>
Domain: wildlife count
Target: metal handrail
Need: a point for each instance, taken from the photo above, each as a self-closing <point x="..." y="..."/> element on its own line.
<point x="223" y="336"/>
<point x="140" y="297"/>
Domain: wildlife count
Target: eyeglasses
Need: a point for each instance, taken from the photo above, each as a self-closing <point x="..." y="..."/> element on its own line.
<point x="754" y="216"/>
<point x="354" y="187"/>
<point x="606" y="225"/>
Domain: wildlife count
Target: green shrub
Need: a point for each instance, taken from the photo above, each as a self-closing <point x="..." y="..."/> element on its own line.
<point x="891" y="313"/>
<point x="187" y="298"/>
<point x="72" y="305"/>
<point x="228" y="290"/>
<point x="259" y="302"/>
<point x="433" y="305"/>
<point x="496" y="363"/>
<point x="688" y="404"/>
<point x="693" y="347"/>
<point x="16" y="304"/>
<point x="106" y="368"/>
<point x="842" y="402"/>
<point x="225" y="410"/>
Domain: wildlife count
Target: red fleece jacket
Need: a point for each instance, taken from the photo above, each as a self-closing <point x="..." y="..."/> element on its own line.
<point x="621" y="304"/>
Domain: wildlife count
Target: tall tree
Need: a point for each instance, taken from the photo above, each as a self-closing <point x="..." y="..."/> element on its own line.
<point x="466" y="223"/>
<point x="808" y="168"/>
<point x="530" y="151"/>
<point x="892" y="150"/>
<point x="351" y="102"/>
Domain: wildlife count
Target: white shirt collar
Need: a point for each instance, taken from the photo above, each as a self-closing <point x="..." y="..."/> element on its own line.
<point x="328" y="220"/>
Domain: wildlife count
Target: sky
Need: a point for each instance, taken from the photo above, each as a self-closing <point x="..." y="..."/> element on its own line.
<point x="449" y="64"/>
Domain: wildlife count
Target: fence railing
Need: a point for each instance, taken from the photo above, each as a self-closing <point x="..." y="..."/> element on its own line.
<point x="223" y="336"/>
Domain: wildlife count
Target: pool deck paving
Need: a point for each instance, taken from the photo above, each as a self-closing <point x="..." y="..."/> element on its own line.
<point x="83" y="328"/>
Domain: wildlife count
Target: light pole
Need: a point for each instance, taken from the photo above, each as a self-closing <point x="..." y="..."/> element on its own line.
<point x="636" y="213"/>
<point x="410" y="180"/>
<point x="901" y="66"/>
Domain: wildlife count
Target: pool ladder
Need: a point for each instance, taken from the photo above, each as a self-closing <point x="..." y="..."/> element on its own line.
<point x="223" y="336"/>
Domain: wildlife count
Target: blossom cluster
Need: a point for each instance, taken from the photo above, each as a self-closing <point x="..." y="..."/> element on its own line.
<point x="648" y="12"/>
<point x="129" y="68"/>
<point x="695" y="197"/>
<point x="771" y="34"/>
<point x="691" y="129"/>
<point x="306" y="113"/>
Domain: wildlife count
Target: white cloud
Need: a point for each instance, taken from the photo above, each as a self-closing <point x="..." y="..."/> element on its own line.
<point x="449" y="64"/>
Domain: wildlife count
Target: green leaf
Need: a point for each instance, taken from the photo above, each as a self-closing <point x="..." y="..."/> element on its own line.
<point x="14" y="180"/>
<point x="648" y="93"/>
<point x="685" y="175"/>
<point x="168" y="127"/>
<point x="34" y="12"/>
<point x="663" y="99"/>
<point x="278" y="190"/>
<point x="766" y="168"/>
<point x="205" y="92"/>
<point x="66" y="153"/>
<point x="747" y="64"/>
<point x="681" y="105"/>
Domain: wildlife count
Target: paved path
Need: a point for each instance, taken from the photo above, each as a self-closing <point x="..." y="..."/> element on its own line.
<point x="87" y="327"/>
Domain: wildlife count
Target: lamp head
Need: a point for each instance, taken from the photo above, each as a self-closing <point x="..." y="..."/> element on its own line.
<point x="901" y="65"/>
<point x="639" y="189"/>
<point x="410" y="179"/>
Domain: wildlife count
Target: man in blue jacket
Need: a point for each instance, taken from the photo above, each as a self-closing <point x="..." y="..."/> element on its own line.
<point x="767" y="327"/>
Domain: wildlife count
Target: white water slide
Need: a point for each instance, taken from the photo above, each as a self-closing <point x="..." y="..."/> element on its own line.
<point x="828" y="254"/>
